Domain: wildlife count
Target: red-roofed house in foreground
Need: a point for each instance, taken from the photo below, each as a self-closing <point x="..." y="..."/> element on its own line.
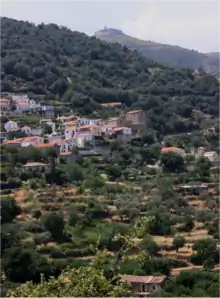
<point x="173" y="149"/>
<point x="145" y="285"/>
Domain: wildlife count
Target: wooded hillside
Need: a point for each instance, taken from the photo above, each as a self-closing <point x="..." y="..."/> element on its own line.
<point x="56" y="63"/>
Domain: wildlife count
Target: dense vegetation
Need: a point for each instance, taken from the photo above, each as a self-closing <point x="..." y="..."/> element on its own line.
<point x="69" y="211"/>
<point x="171" y="55"/>
<point x="55" y="64"/>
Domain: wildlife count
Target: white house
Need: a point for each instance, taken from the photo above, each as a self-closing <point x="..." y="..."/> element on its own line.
<point x="18" y="97"/>
<point x="32" y="141"/>
<point x="25" y="104"/>
<point x="36" y="131"/>
<point x="11" y="126"/>
<point x="26" y="129"/>
<point x="84" y="121"/>
<point x="212" y="156"/>
<point x="92" y="128"/>
<point x="70" y="132"/>
<point x="81" y="138"/>
<point x="5" y="104"/>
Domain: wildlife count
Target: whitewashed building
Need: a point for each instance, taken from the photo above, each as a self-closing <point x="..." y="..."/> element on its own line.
<point x="11" y="126"/>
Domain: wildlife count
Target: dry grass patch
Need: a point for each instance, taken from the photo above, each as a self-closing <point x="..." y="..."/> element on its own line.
<point x="21" y="194"/>
<point x="200" y="205"/>
<point x="196" y="235"/>
<point x="163" y="240"/>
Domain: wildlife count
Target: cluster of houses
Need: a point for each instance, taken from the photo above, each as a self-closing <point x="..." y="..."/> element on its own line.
<point x="212" y="156"/>
<point x="68" y="132"/>
<point x="16" y="104"/>
<point x="72" y="131"/>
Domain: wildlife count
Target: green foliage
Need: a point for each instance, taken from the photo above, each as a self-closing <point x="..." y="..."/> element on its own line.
<point x="9" y="209"/>
<point x="21" y="264"/>
<point x="192" y="283"/>
<point x="47" y="129"/>
<point x="202" y="167"/>
<point x="179" y="242"/>
<point x="54" y="223"/>
<point x="114" y="172"/>
<point x="172" y="162"/>
<point x="75" y="173"/>
<point x="150" y="246"/>
<point x="82" y="282"/>
<point x="94" y="182"/>
<point x="206" y="252"/>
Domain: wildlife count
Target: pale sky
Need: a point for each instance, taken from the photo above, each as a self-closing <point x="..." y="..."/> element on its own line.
<point x="190" y="24"/>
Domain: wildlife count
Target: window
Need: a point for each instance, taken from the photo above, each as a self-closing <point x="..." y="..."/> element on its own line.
<point x="143" y="288"/>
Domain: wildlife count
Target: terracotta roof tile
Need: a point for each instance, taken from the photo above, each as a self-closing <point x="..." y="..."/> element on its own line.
<point x="167" y="149"/>
<point x="65" y="153"/>
<point x="119" y="128"/>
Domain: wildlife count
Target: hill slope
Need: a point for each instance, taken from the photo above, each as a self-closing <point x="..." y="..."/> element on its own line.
<point x="171" y="55"/>
<point x="54" y="63"/>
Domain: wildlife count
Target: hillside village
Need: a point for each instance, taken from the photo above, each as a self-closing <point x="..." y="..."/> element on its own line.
<point x="109" y="170"/>
<point x="64" y="133"/>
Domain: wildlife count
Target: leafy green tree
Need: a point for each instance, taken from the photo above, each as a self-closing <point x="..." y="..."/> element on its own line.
<point x="150" y="246"/>
<point x="188" y="223"/>
<point x="21" y="264"/>
<point x="47" y="129"/>
<point x="202" y="167"/>
<point x="9" y="209"/>
<point x="73" y="216"/>
<point x="172" y="162"/>
<point x="30" y="154"/>
<point x="114" y="172"/>
<point x="179" y="242"/>
<point x="10" y="236"/>
<point x="75" y="173"/>
<point x="161" y="225"/>
<point x="206" y="250"/>
<point x="94" y="182"/>
<point x="54" y="223"/>
<point x="209" y="264"/>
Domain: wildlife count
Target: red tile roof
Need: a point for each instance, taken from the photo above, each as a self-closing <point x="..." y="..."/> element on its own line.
<point x="7" y="142"/>
<point x="65" y="153"/>
<point x="119" y="128"/>
<point x="143" y="279"/>
<point x="167" y="149"/>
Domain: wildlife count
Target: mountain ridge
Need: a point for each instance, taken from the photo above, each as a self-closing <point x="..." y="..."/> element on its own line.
<point x="171" y="55"/>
